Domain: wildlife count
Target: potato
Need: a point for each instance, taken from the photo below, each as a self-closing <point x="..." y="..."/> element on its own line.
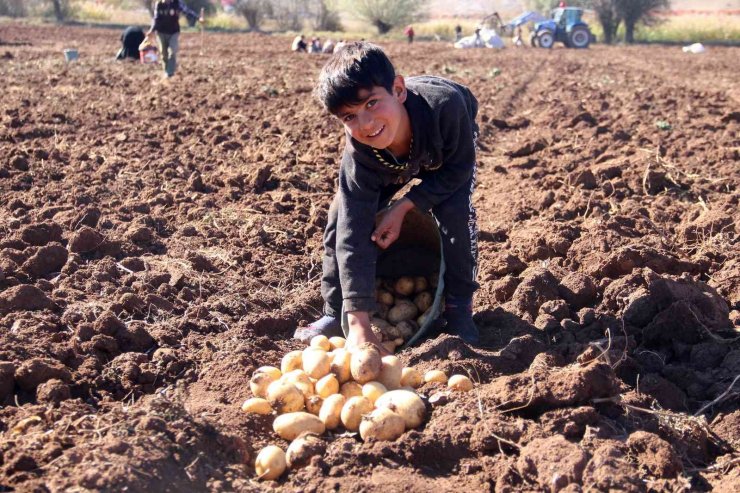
<point x="275" y="373"/>
<point x="270" y="462"/>
<point x="404" y="286"/>
<point x="353" y="410"/>
<point x="373" y="390"/>
<point x="407" y="404"/>
<point x="423" y="301"/>
<point x="424" y="317"/>
<point x="411" y="377"/>
<point x="406" y="329"/>
<point x="300" y="379"/>
<point x="256" y="405"/>
<point x="316" y="363"/>
<point x="327" y="385"/>
<point x="289" y="426"/>
<point x="321" y="342"/>
<point x="382" y="424"/>
<point x="435" y="376"/>
<point x="350" y="389"/>
<point x="420" y="284"/>
<point x="398" y="341"/>
<point x="337" y="342"/>
<point x="404" y="310"/>
<point x="284" y="397"/>
<point x="365" y="363"/>
<point x="303" y="449"/>
<point x="340" y="365"/>
<point x="313" y="404"/>
<point x="390" y="372"/>
<point x="390" y="346"/>
<point x="384" y="297"/>
<point x="259" y="384"/>
<point x="381" y="311"/>
<point x="291" y="361"/>
<point x="331" y="411"/>
<point x="383" y="325"/>
<point x="460" y="383"/>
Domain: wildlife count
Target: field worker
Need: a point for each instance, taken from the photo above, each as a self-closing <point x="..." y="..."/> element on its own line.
<point x="166" y="24"/>
<point x="130" y="41"/>
<point x="458" y="32"/>
<point x="315" y="46"/>
<point x="409" y="32"/>
<point x="299" y="43"/>
<point x="328" y="47"/>
<point x="395" y="129"/>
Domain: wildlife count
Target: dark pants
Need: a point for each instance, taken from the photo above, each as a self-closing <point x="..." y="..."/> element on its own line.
<point x="458" y="227"/>
<point x="130" y="41"/>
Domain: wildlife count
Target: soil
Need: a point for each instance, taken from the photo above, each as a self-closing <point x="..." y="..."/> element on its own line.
<point x="159" y="240"/>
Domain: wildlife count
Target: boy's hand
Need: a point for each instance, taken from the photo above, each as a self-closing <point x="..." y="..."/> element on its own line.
<point x="360" y="332"/>
<point x="390" y="223"/>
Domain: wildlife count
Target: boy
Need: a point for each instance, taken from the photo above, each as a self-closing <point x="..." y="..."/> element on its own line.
<point x="396" y="129"/>
<point x="166" y="23"/>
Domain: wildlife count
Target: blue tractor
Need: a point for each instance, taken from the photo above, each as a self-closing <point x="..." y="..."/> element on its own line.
<point x="565" y="26"/>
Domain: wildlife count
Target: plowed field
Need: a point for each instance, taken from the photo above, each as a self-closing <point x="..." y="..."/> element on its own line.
<point x="161" y="240"/>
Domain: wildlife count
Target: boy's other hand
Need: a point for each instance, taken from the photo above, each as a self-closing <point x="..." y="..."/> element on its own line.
<point x="360" y="332"/>
<point x="390" y="224"/>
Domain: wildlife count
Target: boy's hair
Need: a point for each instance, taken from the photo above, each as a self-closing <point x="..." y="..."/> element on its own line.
<point x="359" y="65"/>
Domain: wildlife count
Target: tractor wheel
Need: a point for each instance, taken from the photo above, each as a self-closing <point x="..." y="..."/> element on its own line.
<point x="545" y="39"/>
<point x="579" y="38"/>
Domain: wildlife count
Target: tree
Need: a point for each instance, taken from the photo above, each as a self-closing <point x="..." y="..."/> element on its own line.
<point x="254" y="11"/>
<point x="634" y="11"/>
<point x="386" y="14"/>
<point x="325" y="15"/>
<point x="59" y="10"/>
<point x="13" y="8"/>
<point x="288" y="14"/>
<point x="606" y="12"/>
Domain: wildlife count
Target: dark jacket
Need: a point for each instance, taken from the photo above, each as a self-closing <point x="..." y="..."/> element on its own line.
<point x="442" y="115"/>
<point x="131" y="38"/>
<point x="167" y="16"/>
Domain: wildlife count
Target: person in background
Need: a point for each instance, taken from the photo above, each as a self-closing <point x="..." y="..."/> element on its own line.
<point x="130" y="41"/>
<point x="409" y="32"/>
<point x="458" y="32"/>
<point x="315" y="45"/>
<point x="166" y="23"/>
<point x="299" y="44"/>
<point x="328" y="47"/>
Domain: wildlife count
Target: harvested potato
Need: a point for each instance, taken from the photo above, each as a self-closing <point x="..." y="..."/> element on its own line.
<point x="406" y="329"/>
<point x="435" y="376"/>
<point x="321" y="342"/>
<point x="420" y="284"/>
<point x="270" y="462"/>
<point x="406" y="403"/>
<point x="389" y="346"/>
<point x="313" y="404"/>
<point x="284" y="397"/>
<point x="340" y="365"/>
<point x="353" y="410"/>
<point x="403" y="310"/>
<point x="316" y="363"/>
<point x="350" y="389"/>
<point x="300" y="379"/>
<point x="383" y="325"/>
<point x="424" y="317"/>
<point x="291" y="361"/>
<point x="256" y="405"/>
<point x="382" y="424"/>
<point x="275" y="373"/>
<point x="384" y="297"/>
<point x="411" y="377"/>
<point x="365" y="363"/>
<point x="373" y="390"/>
<point x="381" y="311"/>
<point x="327" y="385"/>
<point x="331" y="411"/>
<point x="337" y="342"/>
<point x="404" y="286"/>
<point x="259" y="383"/>
<point x="390" y="372"/>
<point x="303" y="449"/>
<point x="289" y="426"/>
<point x="460" y="383"/>
<point x="423" y="301"/>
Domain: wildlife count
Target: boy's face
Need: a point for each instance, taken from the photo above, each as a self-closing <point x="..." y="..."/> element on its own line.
<point x="380" y="119"/>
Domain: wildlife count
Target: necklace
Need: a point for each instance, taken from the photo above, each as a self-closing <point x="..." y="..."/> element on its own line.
<point x="396" y="166"/>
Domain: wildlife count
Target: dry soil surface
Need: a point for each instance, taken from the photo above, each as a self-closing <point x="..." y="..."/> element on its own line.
<point x="159" y="240"/>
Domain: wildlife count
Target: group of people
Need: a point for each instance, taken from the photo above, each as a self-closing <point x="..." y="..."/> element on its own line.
<point x="315" y="46"/>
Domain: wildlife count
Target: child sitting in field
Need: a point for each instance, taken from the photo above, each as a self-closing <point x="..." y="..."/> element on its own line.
<point x="396" y="129"/>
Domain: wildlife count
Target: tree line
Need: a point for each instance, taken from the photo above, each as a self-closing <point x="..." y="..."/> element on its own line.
<point x="324" y="15"/>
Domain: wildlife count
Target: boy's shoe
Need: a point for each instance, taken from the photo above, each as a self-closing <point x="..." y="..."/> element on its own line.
<point x="459" y="317"/>
<point x="326" y="325"/>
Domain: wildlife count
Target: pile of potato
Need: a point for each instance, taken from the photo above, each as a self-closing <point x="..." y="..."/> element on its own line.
<point x="327" y="387"/>
<point x="404" y="304"/>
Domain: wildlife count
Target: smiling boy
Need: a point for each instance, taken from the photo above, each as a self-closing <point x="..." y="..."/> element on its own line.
<point x="396" y="129"/>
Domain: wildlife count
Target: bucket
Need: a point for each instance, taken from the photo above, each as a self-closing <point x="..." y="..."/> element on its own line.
<point x="148" y="54"/>
<point x="70" y="54"/>
<point x="416" y="252"/>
